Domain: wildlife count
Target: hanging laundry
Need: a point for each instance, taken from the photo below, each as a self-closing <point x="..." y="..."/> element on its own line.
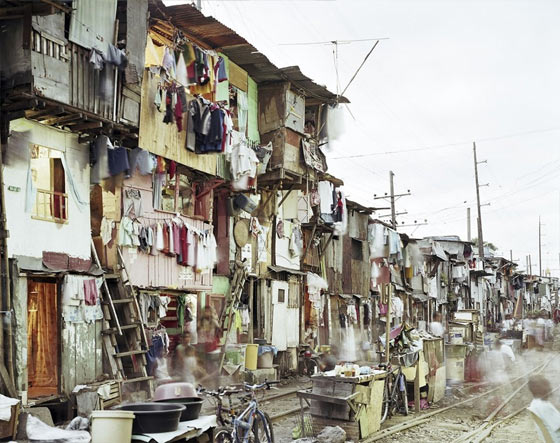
<point x="142" y="160"/>
<point x="181" y="304"/>
<point x="132" y="203"/>
<point x="168" y="118"/>
<point x="152" y="56"/>
<point x="168" y="62"/>
<point x="192" y="239"/>
<point x="181" y="73"/>
<point x="220" y="72"/>
<point x="126" y="231"/>
<point x="116" y="56"/>
<point x="96" y="59"/>
<point x="177" y="241"/>
<point x="100" y="170"/>
<point x="72" y="290"/>
<point x="182" y="94"/>
<point x="189" y="54"/>
<point x="118" y="161"/>
<point x="243" y="161"/>
<point x="90" y="292"/>
<point x="106" y="230"/>
<point x="159" y="242"/>
<point x="157" y="99"/>
<point x="184" y="245"/>
<point x="136" y="228"/>
<point x="179" y="113"/>
<point x="158" y="184"/>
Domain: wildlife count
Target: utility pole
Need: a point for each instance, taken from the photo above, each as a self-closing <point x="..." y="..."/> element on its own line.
<point x="511" y="255"/>
<point x="540" y="248"/>
<point x="530" y="267"/>
<point x="479" y="219"/>
<point x="393" y="211"/>
<point x="468" y="224"/>
<point x="392" y="197"/>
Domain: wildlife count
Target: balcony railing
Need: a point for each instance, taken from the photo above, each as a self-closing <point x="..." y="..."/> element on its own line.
<point x="92" y="90"/>
<point x="51" y="206"/>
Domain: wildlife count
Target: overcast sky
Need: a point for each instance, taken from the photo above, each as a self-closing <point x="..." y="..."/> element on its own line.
<point x="451" y="72"/>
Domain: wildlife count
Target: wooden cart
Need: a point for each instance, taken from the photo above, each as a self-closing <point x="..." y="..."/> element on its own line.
<point x="353" y="403"/>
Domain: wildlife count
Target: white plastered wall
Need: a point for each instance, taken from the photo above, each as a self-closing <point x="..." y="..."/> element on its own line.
<point x="31" y="237"/>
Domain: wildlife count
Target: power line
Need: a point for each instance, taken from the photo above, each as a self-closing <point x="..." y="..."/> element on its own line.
<point x="429" y="148"/>
<point x="334" y="42"/>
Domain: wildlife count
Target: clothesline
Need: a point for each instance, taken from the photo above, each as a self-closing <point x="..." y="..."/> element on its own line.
<point x="197" y="231"/>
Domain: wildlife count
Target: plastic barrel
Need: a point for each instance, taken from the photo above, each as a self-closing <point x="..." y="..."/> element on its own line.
<point x="111" y="426"/>
<point x="251" y="354"/>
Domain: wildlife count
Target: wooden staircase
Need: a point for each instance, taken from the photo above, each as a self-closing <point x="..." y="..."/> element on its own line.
<point x="124" y="338"/>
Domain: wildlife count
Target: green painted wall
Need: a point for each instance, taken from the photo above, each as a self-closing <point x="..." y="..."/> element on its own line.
<point x="253" y="119"/>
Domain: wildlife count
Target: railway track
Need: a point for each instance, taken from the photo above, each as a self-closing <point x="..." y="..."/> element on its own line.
<point x="484" y="429"/>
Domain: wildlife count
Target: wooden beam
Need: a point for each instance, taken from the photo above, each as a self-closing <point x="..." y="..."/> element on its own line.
<point x="56" y="5"/>
<point x="7" y="382"/>
<point x="22" y="104"/>
<point x="63" y="119"/>
<point x="290" y="189"/>
<point x="88" y="125"/>
<point x="27" y="17"/>
<point x="34" y="114"/>
<point x="52" y="113"/>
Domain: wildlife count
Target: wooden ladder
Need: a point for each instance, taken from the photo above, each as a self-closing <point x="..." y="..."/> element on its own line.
<point x="124" y="337"/>
<point x="234" y="294"/>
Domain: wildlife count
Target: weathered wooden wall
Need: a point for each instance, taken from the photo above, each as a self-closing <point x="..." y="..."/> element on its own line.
<point x="163" y="139"/>
<point x="82" y="355"/>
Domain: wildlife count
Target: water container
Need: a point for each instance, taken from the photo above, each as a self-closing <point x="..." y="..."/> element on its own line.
<point x="111" y="426"/>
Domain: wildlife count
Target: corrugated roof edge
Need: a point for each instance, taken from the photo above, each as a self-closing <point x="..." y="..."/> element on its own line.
<point x="213" y="34"/>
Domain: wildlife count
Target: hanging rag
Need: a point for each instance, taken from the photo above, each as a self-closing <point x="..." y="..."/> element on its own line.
<point x="118" y="161"/>
<point x="90" y="292"/>
<point x="179" y="113"/>
<point x="168" y="118"/>
<point x="181" y="304"/>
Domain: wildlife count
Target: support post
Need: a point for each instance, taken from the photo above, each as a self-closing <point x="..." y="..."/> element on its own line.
<point x="251" y="295"/>
<point x="480" y="237"/>
<point x="417" y="386"/>
<point x="393" y="211"/>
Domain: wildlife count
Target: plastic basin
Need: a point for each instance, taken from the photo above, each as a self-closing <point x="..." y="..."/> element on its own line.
<point x="154" y="417"/>
<point x="192" y="405"/>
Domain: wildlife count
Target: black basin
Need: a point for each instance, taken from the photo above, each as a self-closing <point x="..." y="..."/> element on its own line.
<point x="154" y="417"/>
<point x="193" y="406"/>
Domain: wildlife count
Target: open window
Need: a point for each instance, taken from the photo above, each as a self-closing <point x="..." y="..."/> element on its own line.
<point x="47" y="172"/>
<point x="187" y="194"/>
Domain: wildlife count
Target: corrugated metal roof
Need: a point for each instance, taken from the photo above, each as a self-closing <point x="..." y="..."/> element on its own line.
<point x="212" y="34"/>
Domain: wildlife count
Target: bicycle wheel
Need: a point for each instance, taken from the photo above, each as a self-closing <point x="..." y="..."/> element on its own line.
<point x="262" y="428"/>
<point x="222" y="435"/>
<point x="403" y="396"/>
<point x="385" y="407"/>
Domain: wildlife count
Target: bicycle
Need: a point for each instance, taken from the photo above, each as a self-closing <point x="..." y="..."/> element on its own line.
<point x="395" y="397"/>
<point x="224" y="415"/>
<point x="252" y="425"/>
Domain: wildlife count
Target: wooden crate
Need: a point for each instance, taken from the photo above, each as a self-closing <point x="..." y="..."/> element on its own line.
<point x="367" y="400"/>
<point x="286" y="150"/>
<point x="8" y="429"/>
<point x="279" y="107"/>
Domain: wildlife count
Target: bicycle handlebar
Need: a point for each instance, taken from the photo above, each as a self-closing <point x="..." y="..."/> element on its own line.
<point x="266" y="384"/>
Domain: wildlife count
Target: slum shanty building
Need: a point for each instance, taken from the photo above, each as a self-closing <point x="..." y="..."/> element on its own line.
<point x="71" y="74"/>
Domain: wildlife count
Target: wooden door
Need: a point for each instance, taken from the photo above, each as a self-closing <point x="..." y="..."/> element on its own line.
<point x="42" y="338"/>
